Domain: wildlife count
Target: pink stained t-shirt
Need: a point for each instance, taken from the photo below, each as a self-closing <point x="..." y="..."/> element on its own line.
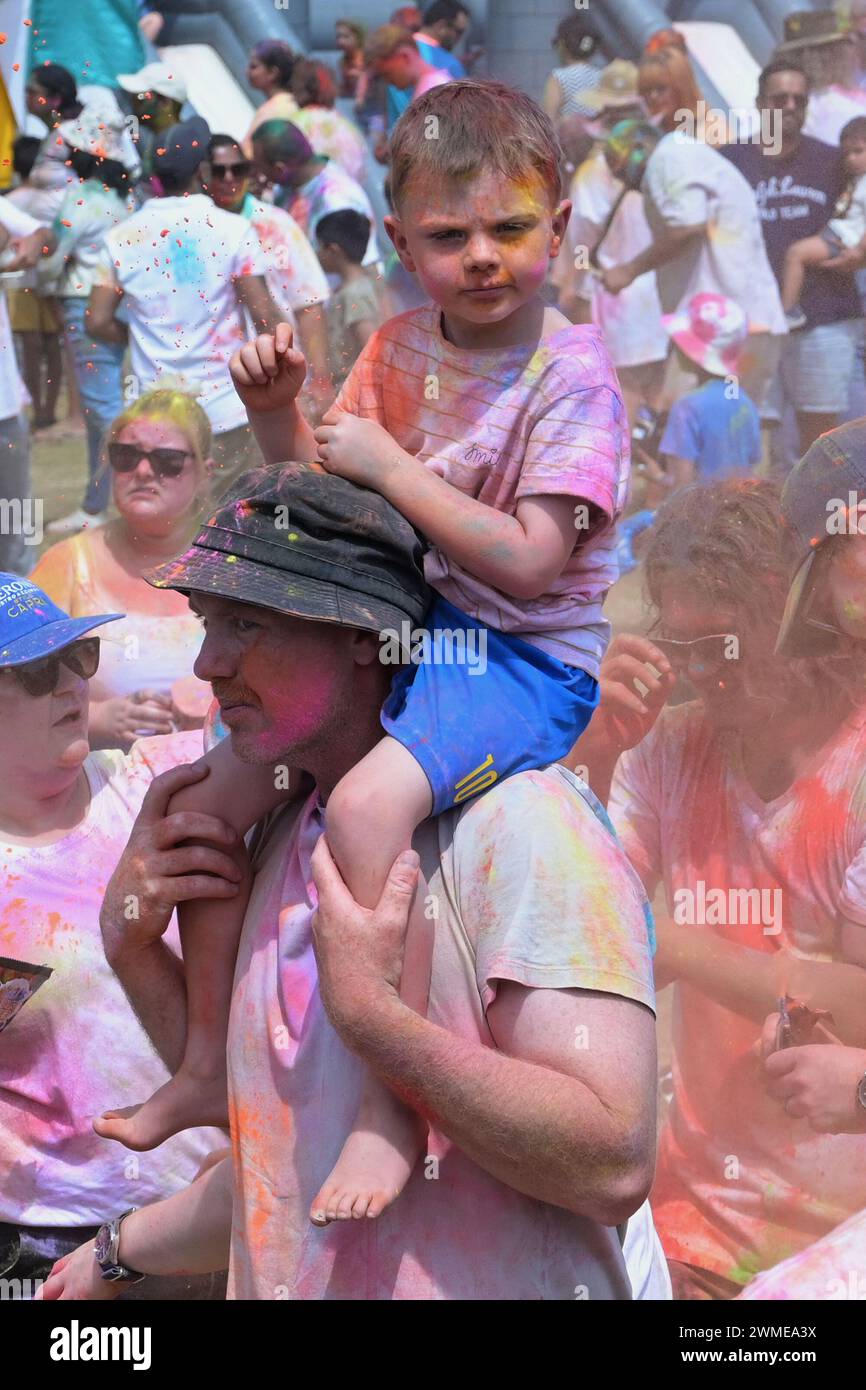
<point x="76" y="1048"/>
<point x="739" y="1184"/>
<point x="528" y="885"/>
<point x="503" y="424"/>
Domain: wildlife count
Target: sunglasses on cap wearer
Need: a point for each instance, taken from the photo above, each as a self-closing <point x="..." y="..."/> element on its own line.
<point x="166" y="463"/>
<point x="712" y="650"/>
<point x="231" y="171"/>
<point x="40" y="677"/>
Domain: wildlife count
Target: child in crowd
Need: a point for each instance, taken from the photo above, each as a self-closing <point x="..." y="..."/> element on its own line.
<point x="497" y="428"/>
<point x="845" y="232"/>
<point x="353" y="310"/>
<point x="714" y="431"/>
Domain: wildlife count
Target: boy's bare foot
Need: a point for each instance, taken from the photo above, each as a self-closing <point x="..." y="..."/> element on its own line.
<point x="374" y="1164"/>
<point x="184" y="1102"/>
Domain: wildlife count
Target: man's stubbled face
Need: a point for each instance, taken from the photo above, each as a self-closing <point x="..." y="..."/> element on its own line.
<point x="283" y="684"/>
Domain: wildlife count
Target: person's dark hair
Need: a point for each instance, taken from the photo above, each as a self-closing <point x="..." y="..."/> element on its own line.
<point x="727" y="542"/>
<point x="780" y="65"/>
<point x="24" y="151"/>
<point x="348" y="229"/>
<point x="57" y="81"/>
<point x="108" y="171"/>
<point x="854" y="130"/>
<point x="173" y="185"/>
<point x="218" y="142"/>
<point x="355" y="27"/>
<point x="576" y="38"/>
<point x="275" y="54"/>
<point x="313" y="84"/>
<point x="284" y="141"/>
<point x="444" y="9"/>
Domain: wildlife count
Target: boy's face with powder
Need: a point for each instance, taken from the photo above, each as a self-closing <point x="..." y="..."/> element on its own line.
<point x="480" y="247"/>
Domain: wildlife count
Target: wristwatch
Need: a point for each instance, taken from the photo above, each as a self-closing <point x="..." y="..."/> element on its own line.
<point x="861" y="1091"/>
<point x="105" y="1249"/>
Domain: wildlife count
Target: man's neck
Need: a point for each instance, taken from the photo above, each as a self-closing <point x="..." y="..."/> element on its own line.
<point x="351" y="272"/>
<point x="35" y="813"/>
<point x="787" y="149"/>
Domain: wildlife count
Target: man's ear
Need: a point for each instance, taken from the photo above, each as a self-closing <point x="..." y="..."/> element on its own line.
<point x="365" y="647"/>
<point x="394" y="228"/>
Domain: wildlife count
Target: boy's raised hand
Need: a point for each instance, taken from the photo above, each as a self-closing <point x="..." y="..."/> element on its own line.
<point x="269" y="372"/>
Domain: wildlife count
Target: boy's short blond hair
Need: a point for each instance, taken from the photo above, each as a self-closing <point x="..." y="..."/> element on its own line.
<point x="478" y="125"/>
<point x="387" y="40"/>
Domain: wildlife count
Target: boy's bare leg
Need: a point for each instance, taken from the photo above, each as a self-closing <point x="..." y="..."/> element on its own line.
<point x="210" y="929"/>
<point x="812" y="250"/>
<point x="197" y="1094"/>
<point x="371" y="816"/>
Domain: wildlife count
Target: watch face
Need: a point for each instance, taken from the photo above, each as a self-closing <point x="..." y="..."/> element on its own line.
<point x="102" y="1244"/>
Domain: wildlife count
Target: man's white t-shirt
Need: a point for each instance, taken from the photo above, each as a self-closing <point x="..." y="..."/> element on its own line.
<point x="686" y="184"/>
<point x="13" y="393"/>
<point x="529" y="886"/>
<point x="76" y="1048"/>
<point x="332" y="190"/>
<point x="176" y="261"/>
<point x="295" y="277"/>
<point x="631" y="322"/>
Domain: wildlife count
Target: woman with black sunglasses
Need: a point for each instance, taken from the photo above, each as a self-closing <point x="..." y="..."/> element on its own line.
<point x="65" y="817"/>
<point x="158" y="454"/>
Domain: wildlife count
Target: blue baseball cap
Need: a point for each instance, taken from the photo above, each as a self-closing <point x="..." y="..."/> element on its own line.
<point x="31" y="626"/>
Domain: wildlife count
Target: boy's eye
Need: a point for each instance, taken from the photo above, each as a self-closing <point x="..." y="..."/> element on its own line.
<point x="445" y="236"/>
<point x="513" y="227"/>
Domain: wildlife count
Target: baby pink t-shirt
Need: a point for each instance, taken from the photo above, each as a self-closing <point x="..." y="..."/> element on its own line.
<point x="502" y="424"/>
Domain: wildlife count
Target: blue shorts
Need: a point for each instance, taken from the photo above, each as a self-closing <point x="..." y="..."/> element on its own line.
<point x="474" y="705"/>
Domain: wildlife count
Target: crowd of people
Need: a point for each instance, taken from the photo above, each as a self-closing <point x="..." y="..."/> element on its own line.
<point x="418" y="364"/>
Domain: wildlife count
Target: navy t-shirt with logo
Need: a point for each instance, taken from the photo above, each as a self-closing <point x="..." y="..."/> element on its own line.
<point x="796" y="197"/>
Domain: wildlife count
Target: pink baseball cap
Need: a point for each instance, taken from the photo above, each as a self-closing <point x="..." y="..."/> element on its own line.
<point x="711" y="330"/>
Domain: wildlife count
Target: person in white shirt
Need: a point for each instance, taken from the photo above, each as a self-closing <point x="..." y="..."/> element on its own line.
<point x="314" y="184"/>
<point x="295" y="279"/>
<point x="707" y="239"/>
<point x="185" y="271"/>
<point x="23" y="232"/>
<point x="65" y="816"/>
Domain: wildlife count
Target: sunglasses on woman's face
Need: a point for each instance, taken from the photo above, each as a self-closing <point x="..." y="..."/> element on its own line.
<point x="712" y="650"/>
<point x="230" y="171"/>
<point x="41" y="677"/>
<point x="166" y="463"/>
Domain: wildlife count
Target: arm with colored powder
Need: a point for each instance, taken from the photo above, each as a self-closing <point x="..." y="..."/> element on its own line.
<point x="520" y="555"/>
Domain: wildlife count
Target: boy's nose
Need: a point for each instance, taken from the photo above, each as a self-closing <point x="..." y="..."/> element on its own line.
<point x="481" y="252"/>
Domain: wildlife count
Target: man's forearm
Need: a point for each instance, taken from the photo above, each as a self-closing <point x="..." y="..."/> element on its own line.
<point x="666" y="249"/>
<point x="153" y="981"/>
<point x="542" y="1133"/>
<point x="189" y="1233"/>
<point x="284" y="436"/>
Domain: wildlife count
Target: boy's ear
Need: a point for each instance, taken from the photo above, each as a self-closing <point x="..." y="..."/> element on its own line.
<point x="559" y="222"/>
<point x="394" y="228"/>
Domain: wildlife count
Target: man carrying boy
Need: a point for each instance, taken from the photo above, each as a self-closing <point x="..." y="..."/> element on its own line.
<point x="494" y="415"/>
